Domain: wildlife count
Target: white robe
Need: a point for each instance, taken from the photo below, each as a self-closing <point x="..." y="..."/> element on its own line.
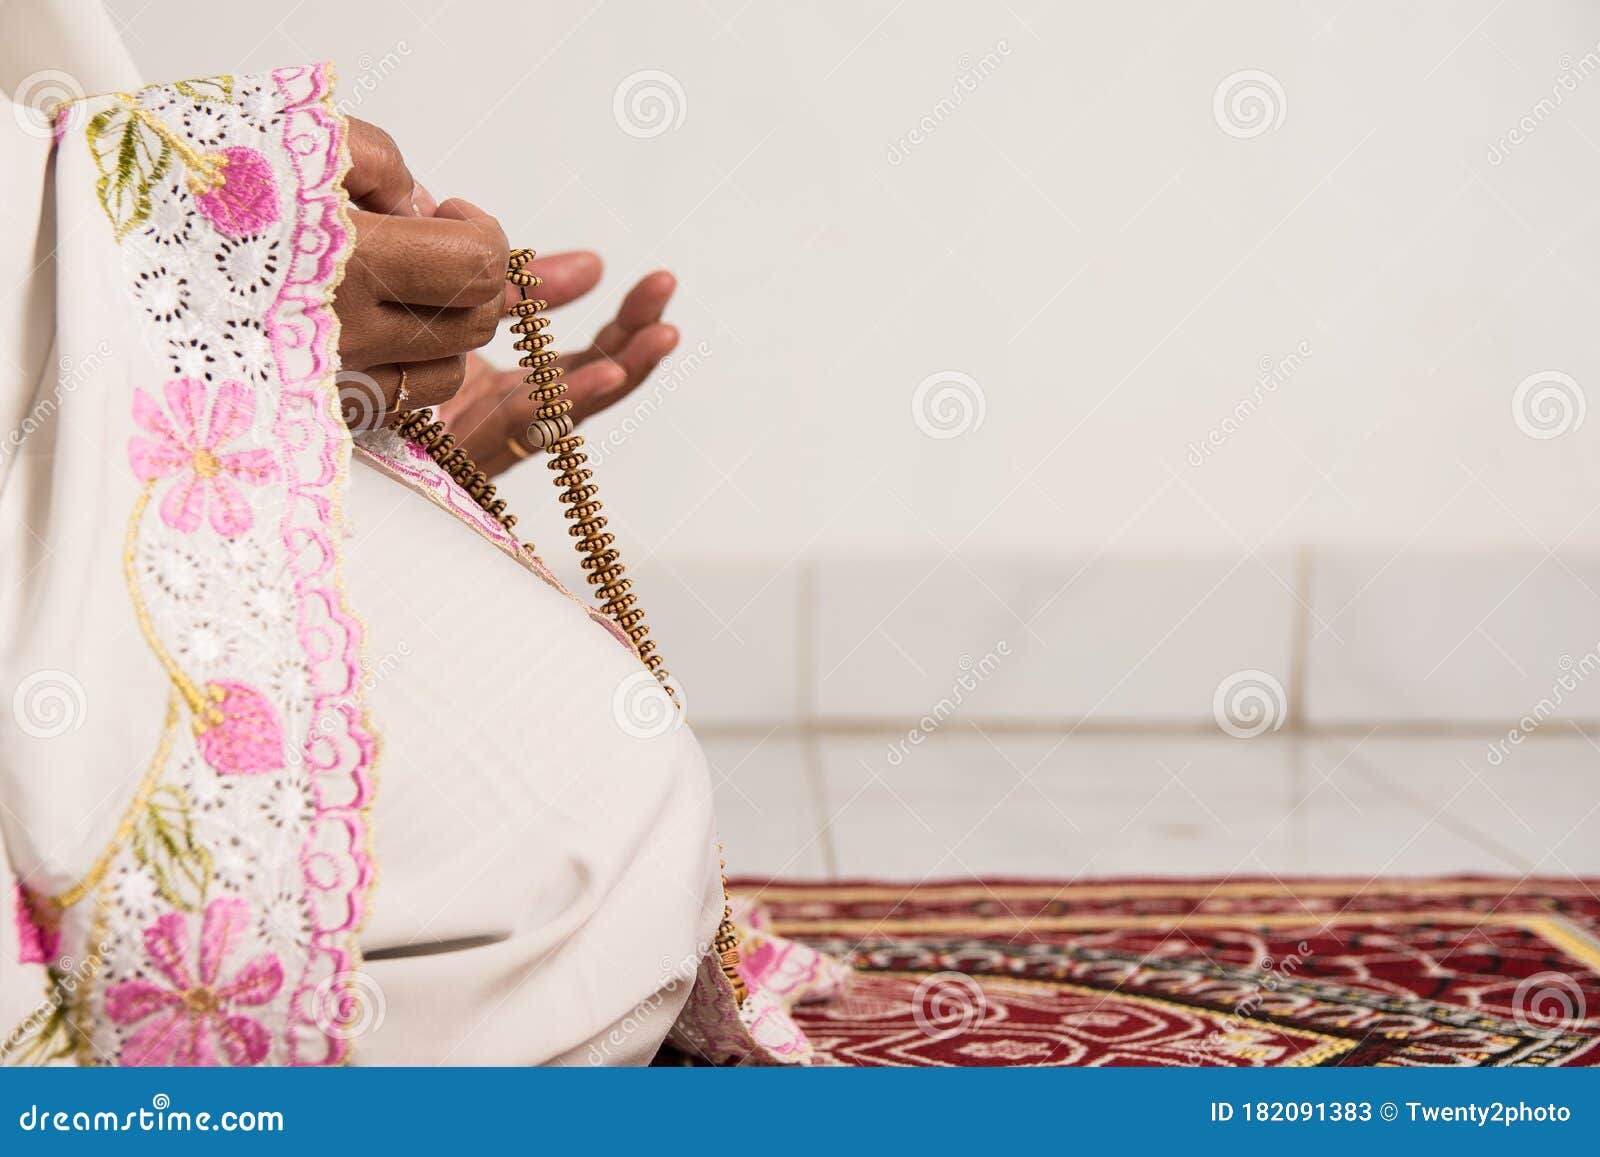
<point x="547" y="882"/>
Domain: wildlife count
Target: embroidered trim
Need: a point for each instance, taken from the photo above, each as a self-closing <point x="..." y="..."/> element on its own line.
<point x="61" y="901"/>
<point x="252" y="822"/>
<point x="315" y="137"/>
<point x="185" y="1020"/>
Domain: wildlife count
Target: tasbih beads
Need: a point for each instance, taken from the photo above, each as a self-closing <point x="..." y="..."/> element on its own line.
<point x="551" y="429"/>
<point x="726" y="945"/>
<point x="419" y="426"/>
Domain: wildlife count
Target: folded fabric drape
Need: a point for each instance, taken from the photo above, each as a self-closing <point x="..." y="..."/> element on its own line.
<point x="189" y="545"/>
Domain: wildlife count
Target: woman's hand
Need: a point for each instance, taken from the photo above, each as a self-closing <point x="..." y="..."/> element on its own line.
<point x="491" y="412"/>
<point x="426" y="285"/>
<point x="423" y="287"/>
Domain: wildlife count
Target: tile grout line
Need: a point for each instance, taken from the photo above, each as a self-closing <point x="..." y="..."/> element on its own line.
<point x="880" y="726"/>
<point x="806" y="714"/>
<point x="1483" y="841"/>
<point x="1298" y="734"/>
<point x="1299" y="790"/>
<point x="1300" y="641"/>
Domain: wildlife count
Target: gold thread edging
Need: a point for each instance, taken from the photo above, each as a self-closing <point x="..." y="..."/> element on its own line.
<point x="1531" y="922"/>
<point x="521" y="554"/>
<point x="71" y="895"/>
<point x="1161" y="890"/>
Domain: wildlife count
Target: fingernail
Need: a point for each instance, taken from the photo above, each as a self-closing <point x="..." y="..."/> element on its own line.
<point x="422" y="202"/>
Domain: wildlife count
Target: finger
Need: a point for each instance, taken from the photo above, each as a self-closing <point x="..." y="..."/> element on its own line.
<point x="378" y="179"/>
<point x="595" y="386"/>
<point x="374" y="333"/>
<point x="458" y="209"/>
<point x="645" y="350"/>
<point x="428" y="261"/>
<point x="567" y="276"/>
<point x="405" y="333"/>
<point x="366" y="399"/>
<point x="632" y="365"/>
<point x="480" y="382"/>
<point x="644" y="305"/>
<point x="422" y="201"/>
<point x="487" y="423"/>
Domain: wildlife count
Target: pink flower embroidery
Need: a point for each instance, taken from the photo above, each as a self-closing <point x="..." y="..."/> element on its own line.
<point x="240" y="733"/>
<point x="185" y="448"/>
<point x="236" y="193"/>
<point x="186" y="1021"/>
<point x="37" y="940"/>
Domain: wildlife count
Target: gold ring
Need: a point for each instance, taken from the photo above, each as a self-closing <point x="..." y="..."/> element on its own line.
<point x="514" y="444"/>
<point x="403" y="392"/>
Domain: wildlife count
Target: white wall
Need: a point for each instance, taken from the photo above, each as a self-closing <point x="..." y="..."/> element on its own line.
<point x="1078" y="234"/>
<point x="1378" y="556"/>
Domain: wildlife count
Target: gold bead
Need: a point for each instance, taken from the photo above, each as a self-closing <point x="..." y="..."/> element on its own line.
<point x="552" y="428"/>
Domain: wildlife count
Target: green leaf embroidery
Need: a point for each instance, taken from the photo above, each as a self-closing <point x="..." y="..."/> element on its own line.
<point x="217" y="89"/>
<point x="131" y="159"/>
<point x="42" y="1039"/>
<point x="163" y="839"/>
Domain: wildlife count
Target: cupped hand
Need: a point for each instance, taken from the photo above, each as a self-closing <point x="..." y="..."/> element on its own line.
<point x="489" y="416"/>
<point x="424" y="286"/>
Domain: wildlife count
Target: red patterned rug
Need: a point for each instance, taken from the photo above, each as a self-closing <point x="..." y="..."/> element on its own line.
<point x="1151" y="972"/>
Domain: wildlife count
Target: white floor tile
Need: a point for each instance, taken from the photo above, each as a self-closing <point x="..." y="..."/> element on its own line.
<point x="1536" y="810"/>
<point x="1481" y="638"/>
<point x="961" y="805"/>
<point x="766" y="807"/>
